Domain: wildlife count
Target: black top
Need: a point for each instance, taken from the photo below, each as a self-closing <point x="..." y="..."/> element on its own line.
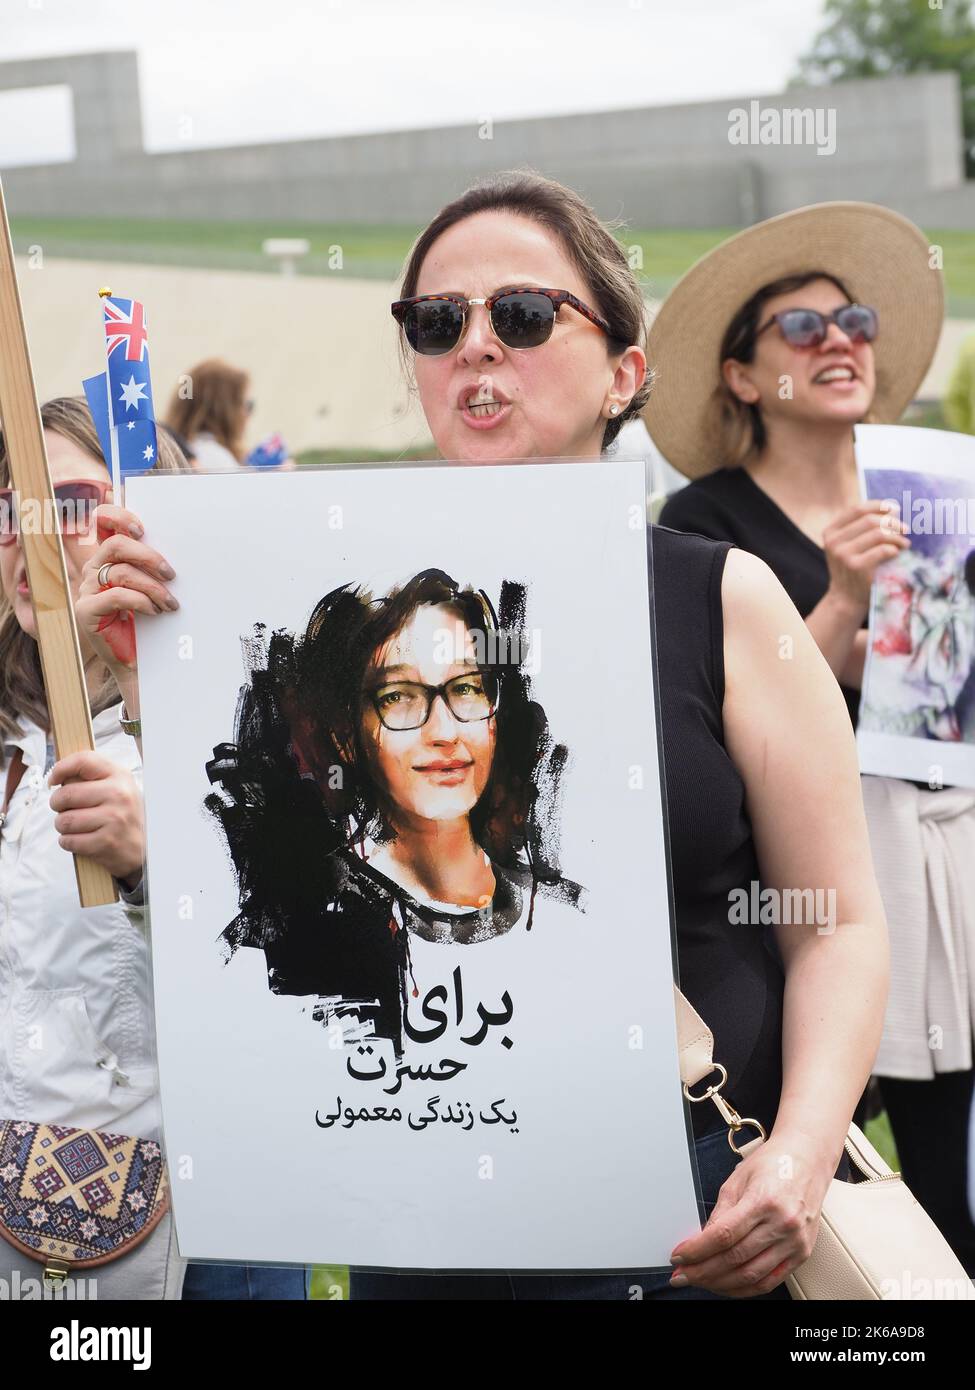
<point x="730" y="506"/>
<point x="731" y="974"/>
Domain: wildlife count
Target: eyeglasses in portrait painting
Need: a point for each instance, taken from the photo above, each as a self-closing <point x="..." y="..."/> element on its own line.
<point x="391" y="776"/>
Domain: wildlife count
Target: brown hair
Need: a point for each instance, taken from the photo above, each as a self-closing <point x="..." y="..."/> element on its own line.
<point x="587" y="242"/>
<point x="742" y="429"/>
<point x="21" y="679"/>
<point x="217" y="405"/>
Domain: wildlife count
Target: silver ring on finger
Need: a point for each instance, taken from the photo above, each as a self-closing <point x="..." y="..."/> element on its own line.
<point x="103" y="576"/>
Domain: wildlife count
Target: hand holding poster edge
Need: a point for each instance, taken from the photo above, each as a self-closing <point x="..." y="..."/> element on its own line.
<point x="57" y="633"/>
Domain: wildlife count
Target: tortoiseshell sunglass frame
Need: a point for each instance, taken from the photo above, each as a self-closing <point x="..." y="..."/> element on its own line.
<point x="558" y="297"/>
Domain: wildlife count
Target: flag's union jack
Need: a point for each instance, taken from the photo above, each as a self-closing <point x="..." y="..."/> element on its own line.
<point x="125" y="327"/>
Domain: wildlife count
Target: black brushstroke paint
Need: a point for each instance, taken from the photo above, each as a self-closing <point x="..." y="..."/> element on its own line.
<point x="328" y="923"/>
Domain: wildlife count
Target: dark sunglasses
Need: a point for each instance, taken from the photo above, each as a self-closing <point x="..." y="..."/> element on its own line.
<point x="74" y="502"/>
<point x="805" y="328"/>
<point x="520" y="318"/>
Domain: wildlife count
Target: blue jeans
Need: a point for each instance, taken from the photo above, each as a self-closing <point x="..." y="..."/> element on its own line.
<point x="246" y="1282"/>
<point x="715" y="1162"/>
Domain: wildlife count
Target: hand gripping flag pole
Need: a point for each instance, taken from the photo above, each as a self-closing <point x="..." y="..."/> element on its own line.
<point x="30" y="477"/>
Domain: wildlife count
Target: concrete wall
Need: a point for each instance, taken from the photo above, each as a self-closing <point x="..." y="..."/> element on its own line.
<point x="673" y="166"/>
<point x="105" y="94"/>
<point x="340" y="388"/>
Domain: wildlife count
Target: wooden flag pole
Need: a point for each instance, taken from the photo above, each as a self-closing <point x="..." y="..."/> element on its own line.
<point x="30" y="477"/>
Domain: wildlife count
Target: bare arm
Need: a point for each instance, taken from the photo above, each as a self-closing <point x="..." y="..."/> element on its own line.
<point x="834" y="624"/>
<point x="788" y="731"/>
<point x="852" y="672"/>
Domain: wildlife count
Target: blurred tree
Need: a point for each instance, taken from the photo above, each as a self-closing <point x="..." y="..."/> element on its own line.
<point x="885" y="38"/>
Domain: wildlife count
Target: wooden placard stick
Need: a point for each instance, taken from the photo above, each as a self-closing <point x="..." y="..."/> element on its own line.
<point x="30" y="477"/>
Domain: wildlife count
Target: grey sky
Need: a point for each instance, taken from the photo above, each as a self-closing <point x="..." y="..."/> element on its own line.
<point x="232" y="71"/>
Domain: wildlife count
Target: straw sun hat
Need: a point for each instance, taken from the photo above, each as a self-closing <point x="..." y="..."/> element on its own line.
<point x="881" y="257"/>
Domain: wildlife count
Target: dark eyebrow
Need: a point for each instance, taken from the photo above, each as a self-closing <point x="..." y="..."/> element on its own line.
<point x="388" y="670"/>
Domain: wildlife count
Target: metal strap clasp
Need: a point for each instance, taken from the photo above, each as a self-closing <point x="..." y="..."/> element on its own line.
<point x="726" y="1110"/>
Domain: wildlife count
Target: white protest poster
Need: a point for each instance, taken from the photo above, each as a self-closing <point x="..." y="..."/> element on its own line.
<point x="408" y="889"/>
<point x="917" y="708"/>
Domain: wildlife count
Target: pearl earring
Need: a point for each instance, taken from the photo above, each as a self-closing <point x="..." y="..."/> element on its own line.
<point x="613" y="409"/>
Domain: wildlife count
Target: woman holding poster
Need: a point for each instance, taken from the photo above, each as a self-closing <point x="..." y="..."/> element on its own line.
<point x="524" y="326"/>
<point x="790" y="334"/>
<point x="76" y="1034"/>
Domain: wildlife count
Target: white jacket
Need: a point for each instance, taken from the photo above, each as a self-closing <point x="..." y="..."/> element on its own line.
<point x="76" y="1025"/>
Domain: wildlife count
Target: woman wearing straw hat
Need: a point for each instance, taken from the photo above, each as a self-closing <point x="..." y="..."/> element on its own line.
<point x="768" y="352"/>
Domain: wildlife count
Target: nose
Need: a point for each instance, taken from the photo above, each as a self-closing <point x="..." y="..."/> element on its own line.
<point x="835" y="337"/>
<point x="479" y="341"/>
<point x="441" y="727"/>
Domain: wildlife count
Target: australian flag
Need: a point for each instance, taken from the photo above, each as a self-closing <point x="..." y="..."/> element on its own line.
<point x="121" y="398"/>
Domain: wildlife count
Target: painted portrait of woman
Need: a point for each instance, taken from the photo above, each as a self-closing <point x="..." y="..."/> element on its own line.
<point x="925" y="637"/>
<point x="391" y="776"/>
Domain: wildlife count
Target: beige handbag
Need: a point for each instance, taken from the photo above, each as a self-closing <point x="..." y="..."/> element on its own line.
<point x="875" y="1240"/>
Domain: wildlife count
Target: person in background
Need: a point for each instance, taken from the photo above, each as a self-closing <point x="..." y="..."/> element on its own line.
<point x="212" y="417"/>
<point x="182" y="443"/>
<point x="787" y="336"/>
<point x="959" y="398"/>
<point x="212" y="414"/>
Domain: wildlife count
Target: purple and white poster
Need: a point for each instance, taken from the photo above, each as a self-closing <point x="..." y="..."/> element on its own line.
<point x="408" y="890"/>
<point x="917" y="710"/>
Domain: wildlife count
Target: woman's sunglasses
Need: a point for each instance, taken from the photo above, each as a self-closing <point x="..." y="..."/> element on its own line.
<point x="520" y="318"/>
<point x="805" y="328"/>
<point x="74" y="503"/>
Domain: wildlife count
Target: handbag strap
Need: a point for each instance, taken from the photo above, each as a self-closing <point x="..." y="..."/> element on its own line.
<point x="14" y="773"/>
<point x="695" y="1051"/>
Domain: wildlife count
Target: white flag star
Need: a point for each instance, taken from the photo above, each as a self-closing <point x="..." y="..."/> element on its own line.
<point x="147" y="453"/>
<point x="130" y="425"/>
<point x="133" y="392"/>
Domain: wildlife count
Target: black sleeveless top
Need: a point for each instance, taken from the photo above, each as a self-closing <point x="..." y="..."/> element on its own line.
<point x="730" y="506"/>
<point x="732" y="974"/>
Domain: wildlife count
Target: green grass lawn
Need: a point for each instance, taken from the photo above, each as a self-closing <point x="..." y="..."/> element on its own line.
<point x="878" y="1131"/>
<point x="380" y="252"/>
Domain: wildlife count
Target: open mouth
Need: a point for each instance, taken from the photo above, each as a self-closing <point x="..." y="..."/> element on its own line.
<point x="481" y="408"/>
<point x="485" y="415"/>
<point x="833" y="374"/>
